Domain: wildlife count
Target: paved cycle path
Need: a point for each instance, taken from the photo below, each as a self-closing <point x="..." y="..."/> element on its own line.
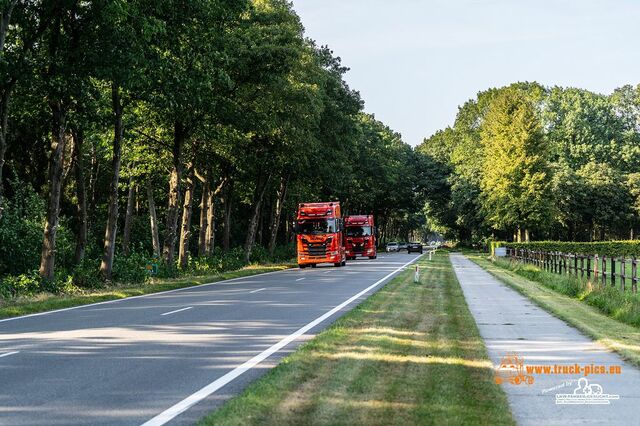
<point x="512" y="325"/>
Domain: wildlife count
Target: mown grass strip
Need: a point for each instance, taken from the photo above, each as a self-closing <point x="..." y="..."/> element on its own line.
<point x="410" y="354"/>
<point x="48" y="302"/>
<point x="617" y="336"/>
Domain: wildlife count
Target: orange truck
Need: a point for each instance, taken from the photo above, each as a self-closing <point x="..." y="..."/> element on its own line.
<point x="361" y="237"/>
<point x="320" y="235"/>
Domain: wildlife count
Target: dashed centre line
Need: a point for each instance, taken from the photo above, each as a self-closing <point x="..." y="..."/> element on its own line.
<point x="9" y="353"/>
<point x="255" y="291"/>
<point x="176" y="311"/>
<point x="300" y="279"/>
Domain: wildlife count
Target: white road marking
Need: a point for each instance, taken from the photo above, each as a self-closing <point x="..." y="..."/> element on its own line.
<point x="255" y="291"/>
<point x="172" y="412"/>
<point x="326" y="272"/>
<point x="300" y="279"/>
<point x="141" y="296"/>
<point x="9" y="353"/>
<point x="176" y="311"/>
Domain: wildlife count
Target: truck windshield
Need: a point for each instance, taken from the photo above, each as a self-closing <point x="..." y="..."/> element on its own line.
<point x="316" y="226"/>
<point x="358" y="231"/>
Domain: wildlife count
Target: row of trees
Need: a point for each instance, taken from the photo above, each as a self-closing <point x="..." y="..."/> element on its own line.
<point x="527" y="161"/>
<point x="177" y="129"/>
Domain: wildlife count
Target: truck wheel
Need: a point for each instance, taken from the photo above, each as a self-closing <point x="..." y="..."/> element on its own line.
<point x="373" y="257"/>
<point x="337" y="265"/>
<point x="302" y="266"/>
<point x="313" y="265"/>
<point x="344" y="263"/>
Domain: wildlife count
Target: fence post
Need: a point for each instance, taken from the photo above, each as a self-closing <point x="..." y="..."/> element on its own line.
<point x="634" y="275"/>
<point x="613" y="271"/>
<point x="623" y="266"/>
<point x="564" y="262"/>
<point x="575" y="264"/>
<point x="595" y="267"/>
<point x="581" y="266"/>
<point x="604" y="270"/>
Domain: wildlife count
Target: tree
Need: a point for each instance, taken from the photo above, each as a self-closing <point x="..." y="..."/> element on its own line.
<point x="515" y="183"/>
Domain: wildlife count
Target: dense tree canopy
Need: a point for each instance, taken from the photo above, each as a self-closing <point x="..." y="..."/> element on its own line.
<point x="140" y="129"/>
<point x="560" y="163"/>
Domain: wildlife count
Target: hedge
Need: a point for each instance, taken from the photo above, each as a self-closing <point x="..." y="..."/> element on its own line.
<point x="606" y="248"/>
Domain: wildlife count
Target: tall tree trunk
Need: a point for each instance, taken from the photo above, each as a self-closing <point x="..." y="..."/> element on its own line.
<point x="526" y="235"/>
<point x="187" y="210"/>
<point x="171" y="231"/>
<point x="211" y="221"/>
<point x="56" y="162"/>
<point x="226" y="233"/>
<point x="81" y="194"/>
<point x="4" y="117"/>
<point x="277" y="211"/>
<point x="153" y="218"/>
<point x="128" y="218"/>
<point x="258" y="198"/>
<point x="204" y="216"/>
<point x="106" y="267"/>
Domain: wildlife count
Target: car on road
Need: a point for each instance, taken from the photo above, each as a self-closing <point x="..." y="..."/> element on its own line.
<point x="392" y="247"/>
<point x="402" y="246"/>
<point x="414" y="248"/>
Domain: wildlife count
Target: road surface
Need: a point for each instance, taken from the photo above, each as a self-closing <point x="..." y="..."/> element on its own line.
<point x="175" y="356"/>
<point x="510" y="323"/>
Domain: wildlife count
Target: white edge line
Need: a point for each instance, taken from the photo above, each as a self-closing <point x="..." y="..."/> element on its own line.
<point x="176" y="311"/>
<point x="255" y="291"/>
<point x="9" y="353"/>
<point x="191" y="287"/>
<point x="172" y="412"/>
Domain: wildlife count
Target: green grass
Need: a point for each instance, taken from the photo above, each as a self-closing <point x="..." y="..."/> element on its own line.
<point x="47" y="302"/>
<point x="582" y="306"/>
<point x="410" y="354"/>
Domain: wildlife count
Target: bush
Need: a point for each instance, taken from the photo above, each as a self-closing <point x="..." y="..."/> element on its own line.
<point x="20" y="285"/>
<point x="87" y="274"/>
<point x="131" y="269"/>
<point x="21" y="230"/>
<point x="606" y="248"/>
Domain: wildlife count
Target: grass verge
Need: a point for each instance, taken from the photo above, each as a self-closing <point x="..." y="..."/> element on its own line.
<point x="410" y="354"/>
<point x="47" y="302"/>
<point x="614" y="334"/>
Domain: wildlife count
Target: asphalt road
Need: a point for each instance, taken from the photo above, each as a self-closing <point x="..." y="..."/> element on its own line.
<point x="175" y="356"/>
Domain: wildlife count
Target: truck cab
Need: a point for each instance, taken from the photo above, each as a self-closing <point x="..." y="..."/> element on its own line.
<point x="320" y="235"/>
<point x="360" y="237"/>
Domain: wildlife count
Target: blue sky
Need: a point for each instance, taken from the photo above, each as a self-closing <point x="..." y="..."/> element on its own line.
<point x="415" y="61"/>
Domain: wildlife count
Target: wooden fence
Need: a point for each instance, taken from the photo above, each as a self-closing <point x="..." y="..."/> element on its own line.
<point x="598" y="269"/>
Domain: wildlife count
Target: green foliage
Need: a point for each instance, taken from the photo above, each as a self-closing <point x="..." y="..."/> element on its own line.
<point x="606" y="248"/>
<point x="622" y="306"/>
<point x="542" y="159"/>
<point x="515" y="182"/>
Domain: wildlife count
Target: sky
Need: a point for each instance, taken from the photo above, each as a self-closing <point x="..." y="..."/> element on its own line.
<point x="415" y="61"/>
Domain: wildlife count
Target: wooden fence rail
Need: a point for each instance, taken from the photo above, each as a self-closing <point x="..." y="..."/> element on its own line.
<point x="598" y="269"/>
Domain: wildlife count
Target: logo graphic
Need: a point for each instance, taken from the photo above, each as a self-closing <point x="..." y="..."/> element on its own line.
<point x="585" y="394"/>
<point x="511" y="370"/>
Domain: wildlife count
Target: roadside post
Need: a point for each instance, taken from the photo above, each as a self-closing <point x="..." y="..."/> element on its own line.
<point x="416" y="275"/>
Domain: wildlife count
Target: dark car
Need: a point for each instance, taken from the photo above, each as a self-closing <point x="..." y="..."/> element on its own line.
<point x="414" y="248"/>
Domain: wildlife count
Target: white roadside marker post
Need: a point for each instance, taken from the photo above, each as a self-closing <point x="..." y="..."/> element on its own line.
<point x="416" y="276"/>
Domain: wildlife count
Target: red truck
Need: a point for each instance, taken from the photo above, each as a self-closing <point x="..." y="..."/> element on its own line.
<point x="361" y="237"/>
<point x="320" y="235"/>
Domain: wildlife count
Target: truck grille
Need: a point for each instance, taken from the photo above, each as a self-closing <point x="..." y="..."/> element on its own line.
<point x="358" y="248"/>
<point x="316" y="249"/>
